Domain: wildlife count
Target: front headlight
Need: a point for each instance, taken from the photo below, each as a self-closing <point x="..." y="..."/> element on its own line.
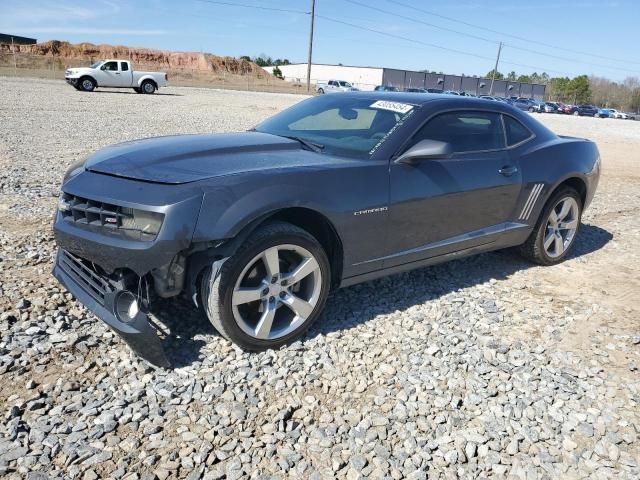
<point x="75" y="169"/>
<point x="145" y="222"/>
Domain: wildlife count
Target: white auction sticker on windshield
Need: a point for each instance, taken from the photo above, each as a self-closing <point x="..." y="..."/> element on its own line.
<point x="392" y="106"/>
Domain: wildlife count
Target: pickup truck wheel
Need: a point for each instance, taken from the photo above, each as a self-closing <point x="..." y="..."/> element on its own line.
<point x="148" y="87"/>
<point x="271" y="290"/>
<point x="87" y="84"/>
<point x="321" y="91"/>
<point x="556" y="229"/>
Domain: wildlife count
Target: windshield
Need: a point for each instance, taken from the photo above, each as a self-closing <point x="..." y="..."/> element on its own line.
<point x="344" y="84"/>
<point x="353" y="126"/>
<point x="96" y="64"/>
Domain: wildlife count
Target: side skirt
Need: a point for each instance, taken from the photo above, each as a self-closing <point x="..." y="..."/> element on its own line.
<point x="515" y="234"/>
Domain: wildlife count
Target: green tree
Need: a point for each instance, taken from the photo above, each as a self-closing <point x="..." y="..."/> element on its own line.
<point x="579" y="89"/>
<point x="277" y="72"/>
<point x="512" y="76"/>
<point x="245" y="57"/>
<point x="499" y="76"/>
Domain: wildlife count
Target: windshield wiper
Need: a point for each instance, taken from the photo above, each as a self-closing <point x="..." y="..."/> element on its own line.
<point x="314" y="147"/>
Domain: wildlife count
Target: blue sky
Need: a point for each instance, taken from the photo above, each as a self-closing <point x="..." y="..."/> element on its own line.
<point x="595" y="36"/>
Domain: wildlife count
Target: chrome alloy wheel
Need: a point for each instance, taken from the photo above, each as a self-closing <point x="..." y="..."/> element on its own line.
<point x="276" y="292"/>
<point x="562" y="225"/>
<point x="148" y="87"/>
<point x="87" y="84"/>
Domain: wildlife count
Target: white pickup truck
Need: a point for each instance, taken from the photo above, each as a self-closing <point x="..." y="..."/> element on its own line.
<point x="335" y="86"/>
<point x="115" y="73"/>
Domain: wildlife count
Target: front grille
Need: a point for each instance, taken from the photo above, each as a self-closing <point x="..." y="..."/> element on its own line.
<point x="83" y="211"/>
<point x="85" y="275"/>
<point x="108" y="218"/>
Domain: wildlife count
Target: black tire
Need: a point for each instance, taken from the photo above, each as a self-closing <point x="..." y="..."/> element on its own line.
<point x="531" y="109"/>
<point x="320" y="91"/>
<point x="533" y="249"/>
<point x="148" y="87"/>
<point x="137" y="89"/>
<point x="217" y="293"/>
<point x="87" y="84"/>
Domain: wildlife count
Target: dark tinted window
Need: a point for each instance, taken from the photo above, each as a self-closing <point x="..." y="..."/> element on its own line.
<point x="465" y="131"/>
<point x="111" y="66"/>
<point x="516" y="132"/>
<point x="124" y="66"/>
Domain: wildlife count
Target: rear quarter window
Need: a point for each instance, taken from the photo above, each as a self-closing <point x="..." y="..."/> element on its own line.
<point x="515" y="131"/>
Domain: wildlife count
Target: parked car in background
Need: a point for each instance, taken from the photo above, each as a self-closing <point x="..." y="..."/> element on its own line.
<point x="242" y="225"/>
<point x="618" y="114"/>
<point x="550" y="107"/>
<point x="115" y="74"/>
<point x="335" y="86"/>
<point x="528" y="104"/>
<point x="415" y="90"/>
<point x="451" y="92"/>
<point x="434" y="90"/>
<point x="583" y="111"/>
<point x="386" y="88"/>
<point x="488" y="97"/>
<point x="604" y="113"/>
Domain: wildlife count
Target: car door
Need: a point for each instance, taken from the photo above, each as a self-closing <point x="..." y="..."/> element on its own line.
<point x="111" y="75"/>
<point x="126" y="75"/>
<point x="447" y="204"/>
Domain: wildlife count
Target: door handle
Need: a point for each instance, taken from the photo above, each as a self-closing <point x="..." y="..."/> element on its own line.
<point x="117" y="73"/>
<point x="508" y="170"/>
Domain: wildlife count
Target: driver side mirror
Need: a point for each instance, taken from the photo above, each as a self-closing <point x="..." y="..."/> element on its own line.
<point x="425" y="150"/>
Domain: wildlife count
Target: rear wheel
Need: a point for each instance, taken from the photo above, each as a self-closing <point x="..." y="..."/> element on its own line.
<point x="271" y="290"/>
<point x="148" y="87"/>
<point x="556" y="229"/>
<point x="320" y="91"/>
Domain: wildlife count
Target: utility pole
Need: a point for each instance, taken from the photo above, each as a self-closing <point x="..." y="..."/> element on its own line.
<point x="313" y="14"/>
<point x="495" y="69"/>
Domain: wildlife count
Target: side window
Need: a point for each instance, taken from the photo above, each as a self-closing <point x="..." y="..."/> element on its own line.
<point x="124" y="66"/>
<point x="515" y="131"/>
<point x="466" y="131"/>
<point x="111" y="66"/>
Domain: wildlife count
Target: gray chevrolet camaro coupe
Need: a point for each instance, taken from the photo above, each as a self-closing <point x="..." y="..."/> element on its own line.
<point x="257" y="227"/>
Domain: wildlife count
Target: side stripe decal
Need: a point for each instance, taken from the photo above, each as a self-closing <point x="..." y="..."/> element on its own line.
<point x="531" y="201"/>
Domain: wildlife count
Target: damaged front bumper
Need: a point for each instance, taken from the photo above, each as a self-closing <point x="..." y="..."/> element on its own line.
<point x="113" y="303"/>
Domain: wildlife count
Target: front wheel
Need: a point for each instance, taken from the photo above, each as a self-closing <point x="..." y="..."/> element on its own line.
<point x="320" y="91"/>
<point x="271" y="290"/>
<point x="531" y="109"/>
<point x="87" y="84"/>
<point x="576" y="114"/>
<point x="556" y="229"/>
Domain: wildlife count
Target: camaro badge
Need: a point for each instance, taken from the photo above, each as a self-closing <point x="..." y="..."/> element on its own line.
<point x="371" y="210"/>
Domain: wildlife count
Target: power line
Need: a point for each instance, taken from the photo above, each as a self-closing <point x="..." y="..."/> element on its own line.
<point x="476" y="37"/>
<point x="387" y="12"/>
<point x="528" y="40"/>
<point x="259" y="7"/>
<point x="433" y="45"/>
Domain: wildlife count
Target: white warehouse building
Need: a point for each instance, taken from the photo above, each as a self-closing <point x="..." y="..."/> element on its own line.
<point x="364" y="78"/>
<point x="367" y="78"/>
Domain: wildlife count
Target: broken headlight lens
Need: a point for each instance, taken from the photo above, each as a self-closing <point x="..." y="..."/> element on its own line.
<point x="147" y="223"/>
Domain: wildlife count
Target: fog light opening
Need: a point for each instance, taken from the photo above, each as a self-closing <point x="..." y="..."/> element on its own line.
<point x="127" y="307"/>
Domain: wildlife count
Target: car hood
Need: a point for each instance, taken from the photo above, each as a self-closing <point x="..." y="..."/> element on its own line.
<point x="189" y="158"/>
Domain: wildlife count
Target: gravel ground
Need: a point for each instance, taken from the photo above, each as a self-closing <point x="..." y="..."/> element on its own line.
<point x="482" y="367"/>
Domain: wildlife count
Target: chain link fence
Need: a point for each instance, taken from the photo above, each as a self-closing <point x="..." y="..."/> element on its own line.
<point x="51" y="67"/>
